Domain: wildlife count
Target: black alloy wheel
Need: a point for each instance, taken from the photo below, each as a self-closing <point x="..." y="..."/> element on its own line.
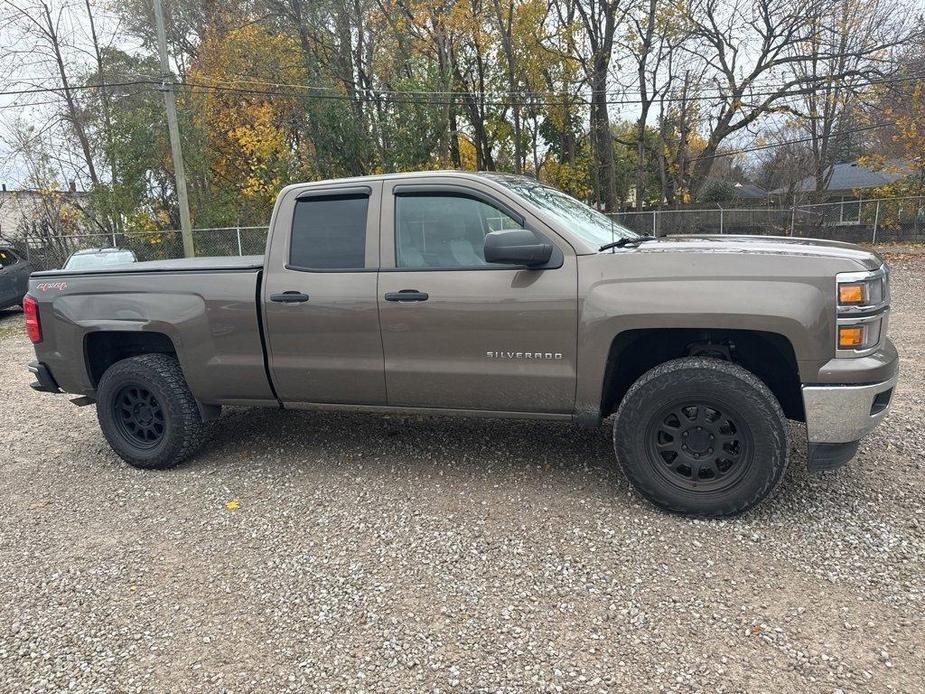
<point x="148" y="413"/>
<point x="700" y="445"/>
<point x="139" y="415"/>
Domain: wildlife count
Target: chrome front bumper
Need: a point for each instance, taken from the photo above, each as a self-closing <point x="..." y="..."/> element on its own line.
<point x="845" y="413"/>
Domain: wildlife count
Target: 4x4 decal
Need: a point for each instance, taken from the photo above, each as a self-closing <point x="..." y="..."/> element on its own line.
<point x="45" y="286"/>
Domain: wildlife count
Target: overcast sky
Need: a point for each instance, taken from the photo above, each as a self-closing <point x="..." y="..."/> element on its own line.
<point x="24" y="67"/>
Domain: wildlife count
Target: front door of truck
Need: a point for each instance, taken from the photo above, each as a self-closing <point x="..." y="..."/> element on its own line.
<point x="319" y="296"/>
<point x="460" y="333"/>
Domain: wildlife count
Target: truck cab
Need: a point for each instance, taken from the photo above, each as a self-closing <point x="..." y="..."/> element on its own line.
<point x="391" y="281"/>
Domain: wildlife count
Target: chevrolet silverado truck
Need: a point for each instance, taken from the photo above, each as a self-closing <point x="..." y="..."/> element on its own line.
<point x="489" y="295"/>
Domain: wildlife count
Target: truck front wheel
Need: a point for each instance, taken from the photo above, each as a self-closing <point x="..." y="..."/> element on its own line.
<point x="147" y="412"/>
<point x="701" y="436"/>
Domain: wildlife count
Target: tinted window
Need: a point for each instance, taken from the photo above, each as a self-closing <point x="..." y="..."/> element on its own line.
<point x="444" y="230"/>
<point x="329" y="233"/>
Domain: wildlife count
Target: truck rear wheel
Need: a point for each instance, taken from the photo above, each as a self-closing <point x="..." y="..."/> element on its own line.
<point x="147" y="412"/>
<point x="701" y="436"/>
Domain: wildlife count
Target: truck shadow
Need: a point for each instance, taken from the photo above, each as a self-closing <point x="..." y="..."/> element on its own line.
<point x="454" y="445"/>
<point x="462" y="451"/>
<point x="6" y="314"/>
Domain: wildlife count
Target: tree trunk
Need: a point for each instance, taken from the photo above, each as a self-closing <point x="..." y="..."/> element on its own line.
<point x="116" y="219"/>
<point x="72" y="113"/>
<point x="505" y="29"/>
<point x="600" y="133"/>
<point x="641" y="156"/>
<point x="454" y="140"/>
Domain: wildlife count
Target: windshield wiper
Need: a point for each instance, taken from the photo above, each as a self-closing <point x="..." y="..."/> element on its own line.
<point x="626" y="241"/>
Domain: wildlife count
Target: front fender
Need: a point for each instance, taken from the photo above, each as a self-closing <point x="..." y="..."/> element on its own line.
<point x="794" y="303"/>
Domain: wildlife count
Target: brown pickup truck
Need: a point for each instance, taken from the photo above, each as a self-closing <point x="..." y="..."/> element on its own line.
<point x="489" y="295"/>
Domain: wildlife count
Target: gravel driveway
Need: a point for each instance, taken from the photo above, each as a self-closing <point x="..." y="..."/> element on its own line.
<point x="409" y="554"/>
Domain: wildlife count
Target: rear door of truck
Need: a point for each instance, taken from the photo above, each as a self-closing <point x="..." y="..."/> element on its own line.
<point x="319" y="296"/>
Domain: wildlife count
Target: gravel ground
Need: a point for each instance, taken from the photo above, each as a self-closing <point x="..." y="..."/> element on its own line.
<point x="404" y="554"/>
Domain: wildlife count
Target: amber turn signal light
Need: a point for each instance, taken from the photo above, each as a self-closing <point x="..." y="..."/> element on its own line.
<point x="850" y="294"/>
<point x="850" y="336"/>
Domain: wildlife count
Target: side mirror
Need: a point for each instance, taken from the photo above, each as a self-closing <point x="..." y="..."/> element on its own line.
<point x="517" y="247"/>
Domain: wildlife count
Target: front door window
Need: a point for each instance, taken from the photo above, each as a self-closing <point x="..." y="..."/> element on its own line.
<point x="444" y="231"/>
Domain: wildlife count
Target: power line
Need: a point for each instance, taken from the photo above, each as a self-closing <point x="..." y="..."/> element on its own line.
<point x="449" y="98"/>
<point x="34" y="103"/>
<point x="76" y="87"/>
<point x="770" y="89"/>
<point x="459" y="97"/>
<point x="802" y="140"/>
<point x="47" y="102"/>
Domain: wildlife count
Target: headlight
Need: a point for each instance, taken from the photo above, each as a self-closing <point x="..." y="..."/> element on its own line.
<point x="862" y="300"/>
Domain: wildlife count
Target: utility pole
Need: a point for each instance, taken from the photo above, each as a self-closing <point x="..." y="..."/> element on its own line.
<point x="170" y="101"/>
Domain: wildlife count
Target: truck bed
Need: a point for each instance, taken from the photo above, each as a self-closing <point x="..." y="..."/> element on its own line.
<point x="205" y="310"/>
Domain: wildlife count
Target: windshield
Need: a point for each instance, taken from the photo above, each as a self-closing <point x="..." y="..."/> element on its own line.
<point x="77" y="262"/>
<point x="592" y="226"/>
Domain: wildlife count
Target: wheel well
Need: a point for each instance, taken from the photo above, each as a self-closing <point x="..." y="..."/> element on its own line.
<point x="769" y="356"/>
<point x="104" y="348"/>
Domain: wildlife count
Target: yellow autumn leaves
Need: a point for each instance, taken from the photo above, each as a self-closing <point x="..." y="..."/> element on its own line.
<point x="248" y="130"/>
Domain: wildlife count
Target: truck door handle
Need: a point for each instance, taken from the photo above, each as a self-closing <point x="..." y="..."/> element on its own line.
<point x="407" y="295"/>
<point x="289" y="297"/>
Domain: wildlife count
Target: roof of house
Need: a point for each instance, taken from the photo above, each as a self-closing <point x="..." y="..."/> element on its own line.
<point x="749" y="190"/>
<point x="851" y="176"/>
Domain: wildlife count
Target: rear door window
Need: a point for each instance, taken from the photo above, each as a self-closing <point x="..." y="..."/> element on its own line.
<point x="329" y="233"/>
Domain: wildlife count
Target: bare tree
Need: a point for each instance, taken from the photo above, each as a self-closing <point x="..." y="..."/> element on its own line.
<point x="850" y="40"/>
<point x="755" y="51"/>
<point x="504" y="18"/>
<point x="43" y="28"/>
<point x="599" y="20"/>
<point x="651" y="43"/>
<point x="676" y="123"/>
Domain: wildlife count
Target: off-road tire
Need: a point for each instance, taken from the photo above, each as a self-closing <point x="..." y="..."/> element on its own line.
<point x="642" y="429"/>
<point x="181" y="428"/>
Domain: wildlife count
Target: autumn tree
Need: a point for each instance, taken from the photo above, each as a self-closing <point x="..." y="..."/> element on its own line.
<point x="599" y="20"/>
<point x="253" y="151"/>
<point x="599" y="97"/>
<point x="848" y="48"/>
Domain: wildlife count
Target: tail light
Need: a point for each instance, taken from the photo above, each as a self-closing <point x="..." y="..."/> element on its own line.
<point x="33" y="328"/>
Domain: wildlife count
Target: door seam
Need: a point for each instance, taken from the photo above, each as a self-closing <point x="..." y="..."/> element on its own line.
<point x="385" y="379"/>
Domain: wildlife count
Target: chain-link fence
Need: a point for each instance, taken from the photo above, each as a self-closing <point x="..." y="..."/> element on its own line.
<point x="884" y="219"/>
<point x="51" y="252"/>
<point x="876" y="220"/>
